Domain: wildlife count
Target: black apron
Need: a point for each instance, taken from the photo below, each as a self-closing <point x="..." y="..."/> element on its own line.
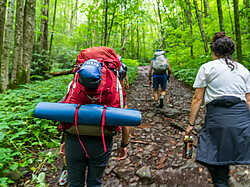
<point x="225" y="137"/>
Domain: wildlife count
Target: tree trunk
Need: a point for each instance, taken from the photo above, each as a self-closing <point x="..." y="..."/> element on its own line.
<point x="201" y="27"/>
<point x="125" y="38"/>
<point x="205" y="8"/>
<point x="132" y="46"/>
<point x="201" y="10"/>
<point x="111" y="25"/>
<point x="2" y="22"/>
<point x="220" y="15"/>
<point x="73" y="12"/>
<point x="247" y="17"/>
<point x="53" y="27"/>
<point x="176" y="12"/>
<point x="46" y="27"/>
<point x="190" y="22"/>
<point x="237" y="30"/>
<point x="230" y="16"/>
<point x="40" y="35"/>
<point x="95" y="23"/>
<point x="43" y="37"/>
<point x="66" y="72"/>
<point x="17" y="63"/>
<point x="106" y="23"/>
<point x="208" y="5"/>
<point x="5" y="55"/>
<point x="183" y="12"/>
<point x="138" y="39"/>
<point x="71" y="18"/>
<point x="28" y="37"/>
<point x="123" y="30"/>
<point x="163" y="45"/>
<point x="144" y="46"/>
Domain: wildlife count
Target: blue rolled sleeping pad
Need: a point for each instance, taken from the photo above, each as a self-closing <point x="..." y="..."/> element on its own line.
<point x="89" y="114"/>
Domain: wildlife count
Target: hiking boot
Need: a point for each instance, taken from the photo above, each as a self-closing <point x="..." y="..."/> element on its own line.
<point x="161" y="101"/>
<point x="156" y="104"/>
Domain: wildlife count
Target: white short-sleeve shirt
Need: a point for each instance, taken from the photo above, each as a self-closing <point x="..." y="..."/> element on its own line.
<point x="219" y="80"/>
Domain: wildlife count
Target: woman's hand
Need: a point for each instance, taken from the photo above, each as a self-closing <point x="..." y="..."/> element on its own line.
<point x="122" y="153"/>
<point x="62" y="149"/>
<point x="189" y="130"/>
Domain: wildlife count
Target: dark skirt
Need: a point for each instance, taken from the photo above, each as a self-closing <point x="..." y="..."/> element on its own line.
<point x="225" y="137"/>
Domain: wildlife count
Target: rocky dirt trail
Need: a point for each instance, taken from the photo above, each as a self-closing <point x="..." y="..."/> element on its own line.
<point x="155" y="149"/>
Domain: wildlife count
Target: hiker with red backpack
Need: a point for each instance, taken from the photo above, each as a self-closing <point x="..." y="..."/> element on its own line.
<point x="86" y="147"/>
<point x="159" y="65"/>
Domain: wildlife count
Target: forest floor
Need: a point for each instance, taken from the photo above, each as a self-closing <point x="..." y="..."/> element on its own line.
<point x="155" y="149"/>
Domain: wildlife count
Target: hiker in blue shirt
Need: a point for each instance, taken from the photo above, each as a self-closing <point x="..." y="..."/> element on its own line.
<point x="159" y="66"/>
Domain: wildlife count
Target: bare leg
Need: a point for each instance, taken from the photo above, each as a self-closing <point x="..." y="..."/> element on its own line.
<point x="163" y="93"/>
<point x="156" y="97"/>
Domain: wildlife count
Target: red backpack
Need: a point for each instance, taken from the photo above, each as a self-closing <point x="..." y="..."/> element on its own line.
<point x="108" y="92"/>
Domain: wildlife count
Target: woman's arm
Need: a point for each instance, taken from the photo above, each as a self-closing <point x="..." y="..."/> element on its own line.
<point x="195" y="107"/>
<point x="248" y="99"/>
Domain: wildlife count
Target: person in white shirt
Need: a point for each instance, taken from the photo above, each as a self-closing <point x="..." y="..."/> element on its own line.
<point x="224" y="86"/>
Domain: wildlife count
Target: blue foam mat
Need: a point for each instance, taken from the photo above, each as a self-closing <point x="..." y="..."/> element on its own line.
<point x="89" y="114"/>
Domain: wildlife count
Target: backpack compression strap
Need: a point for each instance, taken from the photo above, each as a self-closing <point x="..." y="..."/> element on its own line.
<point x="102" y="127"/>
<point x="77" y="132"/>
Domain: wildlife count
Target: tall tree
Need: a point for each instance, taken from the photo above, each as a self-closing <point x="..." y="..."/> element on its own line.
<point x="28" y="37"/>
<point x="53" y="28"/>
<point x="163" y="45"/>
<point x="112" y="22"/>
<point x="17" y="78"/>
<point x="43" y="37"/>
<point x="205" y="8"/>
<point x="183" y="12"/>
<point x="203" y="35"/>
<point x="220" y="15"/>
<point x="2" y="22"/>
<point x="190" y="22"/>
<point x="247" y="16"/>
<point x="138" y="39"/>
<point x="105" y="22"/>
<point x="176" y="12"/>
<point x="5" y="55"/>
<point x="42" y="42"/>
<point x="237" y="30"/>
<point x="230" y="17"/>
<point x="73" y="12"/>
<point x="208" y="7"/>
<point x="95" y="21"/>
<point x="201" y="9"/>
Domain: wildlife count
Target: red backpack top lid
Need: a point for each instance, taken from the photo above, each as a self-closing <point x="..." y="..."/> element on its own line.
<point x="102" y="54"/>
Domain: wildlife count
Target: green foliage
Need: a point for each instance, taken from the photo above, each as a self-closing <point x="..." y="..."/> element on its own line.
<point x="132" y="69"/>
<point x="40" y="66"/>
<point x="22" y="136"/>
<point x="64" y="59"/>
<point x="185" y="68"/>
